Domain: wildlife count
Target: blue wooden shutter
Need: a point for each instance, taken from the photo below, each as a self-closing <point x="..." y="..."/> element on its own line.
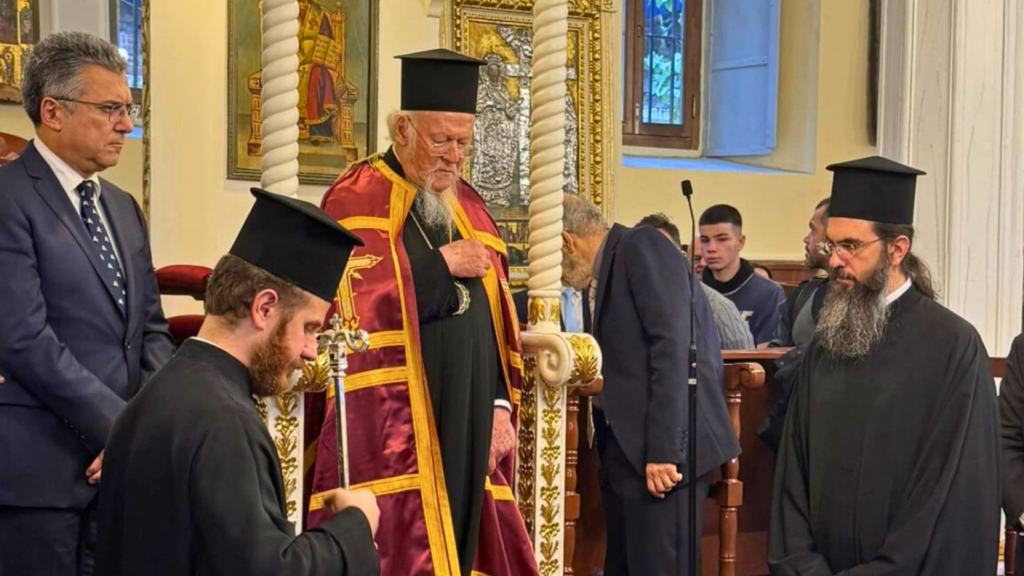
<point x="743" y="86"/>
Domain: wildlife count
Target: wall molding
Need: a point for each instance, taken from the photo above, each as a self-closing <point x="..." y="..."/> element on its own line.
<point x="951" y="80"/>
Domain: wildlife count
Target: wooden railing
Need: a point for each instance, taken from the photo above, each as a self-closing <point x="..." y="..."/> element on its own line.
<point x="572" y="452"/>
<point x="728" y="493"/>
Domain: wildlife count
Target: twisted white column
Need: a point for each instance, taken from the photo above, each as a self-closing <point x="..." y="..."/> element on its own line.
<point x="280" y="96"/>
<point x="549" y="353"/>
<point x="280" y="174"/>
<point x="547" y="149"/>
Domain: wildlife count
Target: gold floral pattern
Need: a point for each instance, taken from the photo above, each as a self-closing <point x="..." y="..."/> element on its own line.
<point x="316" y="375"/>
<point x="585" y="359"/>
<point x="527" y="443"/>
<point x="286" y="424"/>
<point x="545" y="310"/>
<point x="550" y="544"/>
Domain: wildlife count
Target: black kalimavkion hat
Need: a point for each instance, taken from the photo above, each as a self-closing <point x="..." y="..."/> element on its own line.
<point x="295" y="241"/>
<point x="439" y="81"/>
<point x="874" y="189"/>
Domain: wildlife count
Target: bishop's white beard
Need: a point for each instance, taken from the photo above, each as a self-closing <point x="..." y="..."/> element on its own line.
<point x="432" y="208"/>
<point x="853" y="320"/>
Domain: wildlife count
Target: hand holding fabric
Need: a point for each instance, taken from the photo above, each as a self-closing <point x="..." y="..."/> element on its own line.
<point x="503" y="438"/>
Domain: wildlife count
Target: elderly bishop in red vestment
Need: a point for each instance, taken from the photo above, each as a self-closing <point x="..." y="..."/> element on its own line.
<point x="432" y="405"/>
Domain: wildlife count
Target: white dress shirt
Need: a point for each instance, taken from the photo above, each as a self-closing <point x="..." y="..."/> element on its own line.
<point x="69" y="180"/>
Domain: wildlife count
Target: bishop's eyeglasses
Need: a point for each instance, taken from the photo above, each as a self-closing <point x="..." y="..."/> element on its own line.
<point x="464" y="149"/>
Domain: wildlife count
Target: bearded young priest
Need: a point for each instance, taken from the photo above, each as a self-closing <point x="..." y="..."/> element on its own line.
<point x="889" y="462"/>
<point x="191" y="479"/>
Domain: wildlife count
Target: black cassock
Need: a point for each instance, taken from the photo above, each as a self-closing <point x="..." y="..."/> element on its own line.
<point x="463" y="369"/>
<point x="192" y="485"/>
<point x="889" y="465"/>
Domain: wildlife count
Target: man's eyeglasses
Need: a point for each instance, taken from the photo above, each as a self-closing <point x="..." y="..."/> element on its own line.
<point x="439" y="149"/>
<point x="844" y="250"/>
<point x="115" y="111"/>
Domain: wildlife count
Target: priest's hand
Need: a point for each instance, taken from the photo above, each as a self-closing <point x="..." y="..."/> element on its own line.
<point x="661" y="478"/>
<point x="95" y="469"/>
<point x="466" y="258"/>
<point x="503" y="438"/>
<point x="338" y="499"/>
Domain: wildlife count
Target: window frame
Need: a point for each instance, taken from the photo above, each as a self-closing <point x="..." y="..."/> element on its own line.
<point x="635" y="132"/>
<point x="114" y="8"/>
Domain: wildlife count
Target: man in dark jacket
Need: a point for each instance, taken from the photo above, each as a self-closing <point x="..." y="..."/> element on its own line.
<point x="81" y="328"/>
<point x="641" y="318"/>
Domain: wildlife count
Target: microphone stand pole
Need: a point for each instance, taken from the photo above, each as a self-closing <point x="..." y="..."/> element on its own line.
<point x="691" y="385"/>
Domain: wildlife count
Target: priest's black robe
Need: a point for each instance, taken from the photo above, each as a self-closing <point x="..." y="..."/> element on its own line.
<point x="463" y="368"/>
<point x="192" y="485"/>
<point x="889" y="465"/>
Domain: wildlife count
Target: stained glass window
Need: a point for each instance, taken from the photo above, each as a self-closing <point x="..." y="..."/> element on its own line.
<point x="661" y="44"/>
<point x="128" y="34"/>
<point x="663" y="61"/>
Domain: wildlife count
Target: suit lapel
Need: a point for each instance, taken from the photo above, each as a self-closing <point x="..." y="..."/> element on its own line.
<point x="119" y="211"/>
<point x="614" y="235"/>
<point x="49" y="188"/>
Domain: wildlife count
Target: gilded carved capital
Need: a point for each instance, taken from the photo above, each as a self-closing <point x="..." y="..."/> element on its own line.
<point x="564" y="360"/>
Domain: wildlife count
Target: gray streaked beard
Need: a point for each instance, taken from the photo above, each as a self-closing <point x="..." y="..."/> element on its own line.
<point x="853" y="320"/>
<point x="432" y="208"/>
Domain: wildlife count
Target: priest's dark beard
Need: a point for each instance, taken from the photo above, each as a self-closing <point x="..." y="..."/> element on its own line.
<point x="270" y="367"/>
<point x="853" y="320"/>
<point x="432" y="208"/>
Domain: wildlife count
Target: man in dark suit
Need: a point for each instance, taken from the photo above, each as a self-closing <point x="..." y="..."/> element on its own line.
<point x="81" y="326"/>
<point x="641" y="316"/>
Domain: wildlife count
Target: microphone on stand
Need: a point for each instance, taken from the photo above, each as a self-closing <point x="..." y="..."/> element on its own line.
<point x="691" y="430"/>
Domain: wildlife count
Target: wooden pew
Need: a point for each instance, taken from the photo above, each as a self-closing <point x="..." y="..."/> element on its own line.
<point x="757" y="469"/>
<point x="728" y="492"/>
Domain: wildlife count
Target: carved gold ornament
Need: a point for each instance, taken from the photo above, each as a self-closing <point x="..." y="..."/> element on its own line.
<point x="316" y="375"/>
<point x="551" y="471"/>
<point x="545" y="310"/>
<point x="286" y="424"/>
<point x="527" y="443"/>
<point x="586" y="360"/>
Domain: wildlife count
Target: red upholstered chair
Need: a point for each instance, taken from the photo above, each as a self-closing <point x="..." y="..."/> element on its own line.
<point x="11" y="147"/>
<point x="184" y="280"/>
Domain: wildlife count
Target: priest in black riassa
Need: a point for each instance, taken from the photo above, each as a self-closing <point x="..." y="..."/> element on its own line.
<point x="889" y="463"/>
<point x="192" y="482"/>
